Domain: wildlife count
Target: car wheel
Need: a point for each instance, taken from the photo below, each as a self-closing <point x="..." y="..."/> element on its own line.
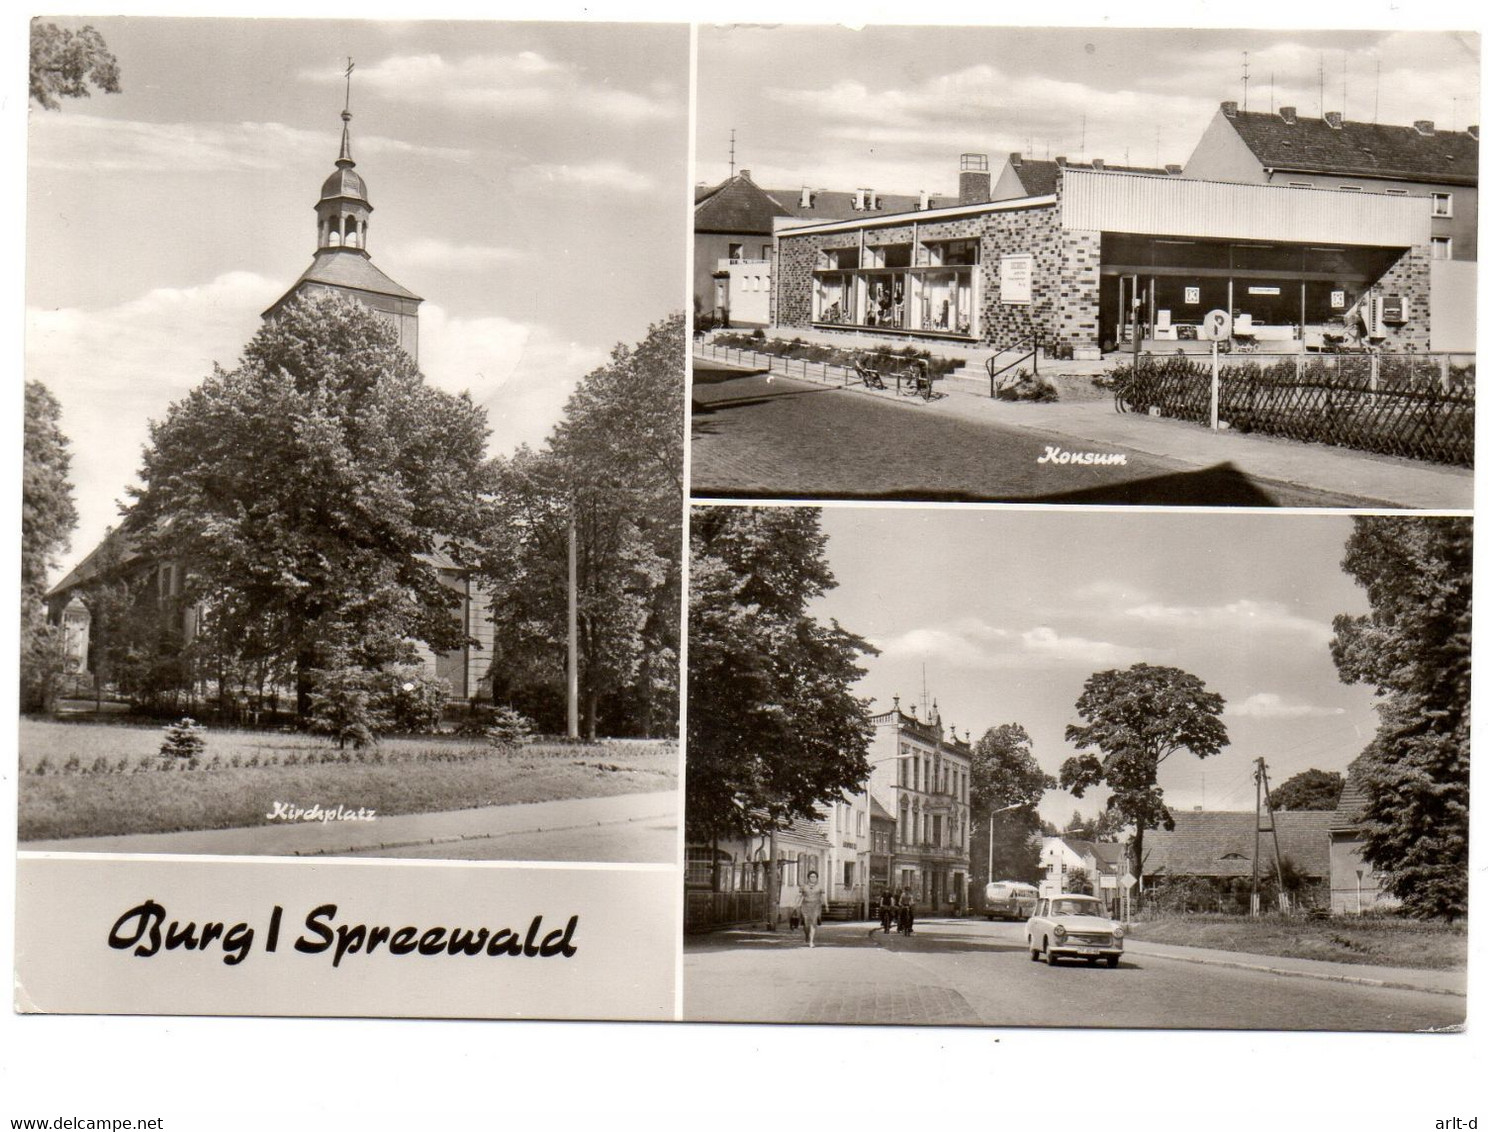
<point x="1093" y="960"/>
<point x="1033" y="954"/>
<point x="1049" y="955"/>
<point x="1112" y="960"/>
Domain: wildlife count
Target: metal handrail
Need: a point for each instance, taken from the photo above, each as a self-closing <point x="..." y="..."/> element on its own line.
<point x="1031" y="342"/>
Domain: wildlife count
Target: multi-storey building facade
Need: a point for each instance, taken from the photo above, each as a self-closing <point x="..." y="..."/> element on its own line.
<point x="921" y="776"/>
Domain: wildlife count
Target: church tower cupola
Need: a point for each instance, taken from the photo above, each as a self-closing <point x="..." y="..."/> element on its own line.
<point x="342" y="211"/>
<point x="342" y="265"/>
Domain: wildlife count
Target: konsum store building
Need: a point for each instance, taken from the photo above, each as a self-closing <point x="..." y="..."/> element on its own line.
<point x="1288" y="264"/>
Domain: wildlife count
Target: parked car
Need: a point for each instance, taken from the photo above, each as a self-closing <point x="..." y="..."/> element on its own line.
<point x="1010" y="900"/>
<point x="1075" y="926"/>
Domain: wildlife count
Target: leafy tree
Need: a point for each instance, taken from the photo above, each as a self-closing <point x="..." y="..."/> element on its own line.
<point x="1414" y="646"/>
<point x="48" y="517"/>
<point x="613" y="469"/>
<point x="1135" y="718"/>
<point x="345" y="704"/>
<point x="1078" y="880"/>
<point x="1309" y="790"/>
<point x="773" y="729"/>
<point x="64" y="63"/>
<point x="308" y="488"/>
<point x="1004" y="773"/>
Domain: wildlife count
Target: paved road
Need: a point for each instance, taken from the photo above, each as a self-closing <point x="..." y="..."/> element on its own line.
<point x="758" y="436"/>
<point x="975" y="973"/>
<point x="634" y="840"/>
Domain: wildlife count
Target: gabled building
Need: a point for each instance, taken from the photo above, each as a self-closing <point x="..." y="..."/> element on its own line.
<point x="921" y="775"/>
<point x="1220" y="846"/>
<point x="1025" y="177"/>
<point x="1336" y="154"/>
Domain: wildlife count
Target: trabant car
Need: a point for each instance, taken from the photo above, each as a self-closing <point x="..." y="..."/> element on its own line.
<point x="1074" y="926"/>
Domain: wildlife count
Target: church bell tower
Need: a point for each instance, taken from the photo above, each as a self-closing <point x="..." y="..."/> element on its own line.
<point x="342" y="263"/>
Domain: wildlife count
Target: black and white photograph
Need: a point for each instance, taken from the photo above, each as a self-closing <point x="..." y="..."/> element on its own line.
<point x="354" y="439"/>
<point x="1206" y="771"/>
<point x="979" y="263"/>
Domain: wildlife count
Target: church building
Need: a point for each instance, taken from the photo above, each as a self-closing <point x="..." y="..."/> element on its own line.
<point x="341" y="265"/>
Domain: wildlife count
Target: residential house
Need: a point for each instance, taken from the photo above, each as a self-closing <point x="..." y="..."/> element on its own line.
<point x="1220" y="847"/>
<point x="1355" y="885"/>
<point x="1336" y="154"/>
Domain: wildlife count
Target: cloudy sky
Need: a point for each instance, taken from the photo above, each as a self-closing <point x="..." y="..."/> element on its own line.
<point x="892" y="108"/>
<point x="1007" y="614"/>
<point x="529" y="181"/>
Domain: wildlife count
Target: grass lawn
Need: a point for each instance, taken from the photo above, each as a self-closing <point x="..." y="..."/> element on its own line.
<point x="92" y="779"/>
<point x="1385" y="940"/>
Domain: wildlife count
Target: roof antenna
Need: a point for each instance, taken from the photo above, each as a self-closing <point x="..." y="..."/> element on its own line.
<point x="1321" y="96"/>
<point x="1345" y="86"/>
<point x="1376" y="89"/>
<point x="1245" y="80"/>
<point x="1082" y="131"/>
<point x="731" y="153"/>
<point x="1271" y="107"/>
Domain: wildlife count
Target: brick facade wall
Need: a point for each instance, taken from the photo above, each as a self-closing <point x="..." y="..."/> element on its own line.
<point x="1409" y="276"/>
<point x="1032" y="231"/>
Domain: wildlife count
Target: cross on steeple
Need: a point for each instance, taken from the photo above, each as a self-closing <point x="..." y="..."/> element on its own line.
<point x="350" y="66"/>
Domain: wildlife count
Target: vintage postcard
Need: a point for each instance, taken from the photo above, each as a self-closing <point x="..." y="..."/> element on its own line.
<point x="355" y="376"/>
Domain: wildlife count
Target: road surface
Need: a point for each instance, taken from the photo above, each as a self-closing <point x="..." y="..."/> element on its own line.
<point x="971" y="972"/>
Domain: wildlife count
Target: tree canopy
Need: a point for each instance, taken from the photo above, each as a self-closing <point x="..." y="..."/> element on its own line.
<point x="48" y="517"/>
<point x="1004" y="774"/>
<point x="1135" y="718"/>
<point x="310" y="489"/>
<point x="1415" y="647"/>
<point x="1309" y="790"/>
<point x="773" y="727"/>
<point x="614" y="468"/>
<point x="65" y="63"/>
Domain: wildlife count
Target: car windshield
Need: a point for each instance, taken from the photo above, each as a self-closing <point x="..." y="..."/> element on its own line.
<point x="1076" y="908"/>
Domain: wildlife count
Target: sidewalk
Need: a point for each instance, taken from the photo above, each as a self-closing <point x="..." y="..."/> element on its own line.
<point x="313" y="838"/>
<point x="1407" y="978"/>
<point x="1096" y="426"/>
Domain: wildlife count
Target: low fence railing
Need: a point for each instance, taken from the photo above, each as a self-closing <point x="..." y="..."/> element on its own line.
<point x="827" y="373"/>
<point x="1416" y="405"/>
<point x="704" y="910"/>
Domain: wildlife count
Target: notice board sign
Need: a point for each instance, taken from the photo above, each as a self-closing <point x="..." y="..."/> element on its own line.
<point x="1015" y="279"/>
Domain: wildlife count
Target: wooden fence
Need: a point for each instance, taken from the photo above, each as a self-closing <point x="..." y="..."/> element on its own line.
<point x="1420" y="406"/>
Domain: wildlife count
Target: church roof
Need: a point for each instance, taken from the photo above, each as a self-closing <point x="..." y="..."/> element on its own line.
<point x="349" y="269"/>
<point x="345" y="182"/>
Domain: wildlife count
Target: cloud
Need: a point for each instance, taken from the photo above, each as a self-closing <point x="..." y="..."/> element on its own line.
<point x="81" y="141"/>
<point x="524" y="83"/>
<point x="1244" y="616"/>
<point x="1269" y="705"/>
<point x="596" y="175"/>
<point x="429" y="252"/>
<point x="974" y="644"/>
<point x="520" y="374"/>
<point x="116" y="369"/>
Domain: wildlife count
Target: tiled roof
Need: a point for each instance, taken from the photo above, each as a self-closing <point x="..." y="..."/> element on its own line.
<point x="1350" y="803"/>
<point x="739" y="205"/>
<point x="115" y="542"/>
<point x="1040" y="178"/>
<point x="346" y="267"/>
<point x="805" y="831"/>
<point x="875" y="810"/>
<point x="1360" y="149"/>
<point x="1215" y="843"/>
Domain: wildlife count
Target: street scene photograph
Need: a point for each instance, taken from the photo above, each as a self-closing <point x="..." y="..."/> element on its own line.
<point x="1003" y="264"/>
<point x="1077" y="768"/>
<point x="339" y="541"/>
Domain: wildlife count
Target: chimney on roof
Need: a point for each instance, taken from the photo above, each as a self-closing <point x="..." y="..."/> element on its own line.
<point x="1229" y="109"/>
<point x="1334" y="119"/>
<point x="976" y="179"/>
<point x="1097" y="162"/>
<point x="1015" y="160"/>
<point x="1425" y="127"/>
<point x="1288" y="115"/>
<point x="1174" y="170"/>
<point x="807" y="197"/>
<point x="745" y="174"/>
<point x="1472" y="132"/>
<point x="924" y="200"/>
<point x="860" y="200"/>
<point x="1061" y="161"/>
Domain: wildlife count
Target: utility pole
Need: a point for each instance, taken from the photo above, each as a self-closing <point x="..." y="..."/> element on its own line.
<point x="1263" y="790"/>
<point x="573" y="620"/>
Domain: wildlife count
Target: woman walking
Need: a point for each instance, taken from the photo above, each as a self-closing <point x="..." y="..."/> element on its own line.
<point x="812" y="899"/>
